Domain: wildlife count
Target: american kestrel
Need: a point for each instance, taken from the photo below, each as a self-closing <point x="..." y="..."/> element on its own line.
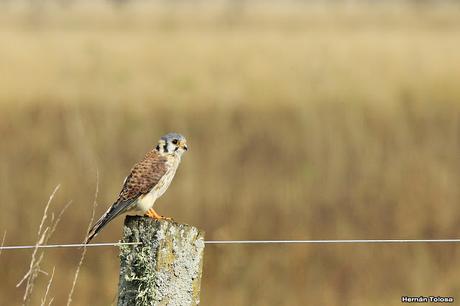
<point x="147" y="181"/>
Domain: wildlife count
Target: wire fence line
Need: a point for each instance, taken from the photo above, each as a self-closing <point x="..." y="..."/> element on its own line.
<point x="333" y="241"/>
<point x="70" y="245"/>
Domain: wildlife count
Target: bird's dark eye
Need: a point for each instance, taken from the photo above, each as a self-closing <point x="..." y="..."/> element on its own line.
<point x="174" y="141"/>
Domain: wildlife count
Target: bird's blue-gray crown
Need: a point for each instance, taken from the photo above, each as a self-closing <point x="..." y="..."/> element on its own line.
<point x="172" y="136"/>
<point x="172" y="143"/>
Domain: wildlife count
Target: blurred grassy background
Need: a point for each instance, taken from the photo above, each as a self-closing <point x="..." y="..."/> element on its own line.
<point x="310" y="120"/>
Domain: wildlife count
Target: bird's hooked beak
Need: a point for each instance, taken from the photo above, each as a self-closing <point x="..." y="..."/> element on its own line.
<point x="183" y="145"/>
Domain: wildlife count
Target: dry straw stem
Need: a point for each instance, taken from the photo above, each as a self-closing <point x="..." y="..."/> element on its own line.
<point x="48" y="289"/>
<point x="3" y="242"/>
<point x="44" y="234"/>
<point x="83" y="253"/>
<point x="34" y="266"/>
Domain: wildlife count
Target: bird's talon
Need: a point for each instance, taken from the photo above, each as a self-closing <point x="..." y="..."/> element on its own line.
<point x="154" y="215"/>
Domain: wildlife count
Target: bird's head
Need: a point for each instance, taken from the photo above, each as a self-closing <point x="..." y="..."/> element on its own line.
<point x="172" y="144"/>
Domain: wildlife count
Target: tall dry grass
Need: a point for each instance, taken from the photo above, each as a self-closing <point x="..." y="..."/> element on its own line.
<point x="304" y="121"/>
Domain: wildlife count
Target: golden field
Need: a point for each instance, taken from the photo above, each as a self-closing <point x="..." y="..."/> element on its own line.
<point x="304" y="121"/>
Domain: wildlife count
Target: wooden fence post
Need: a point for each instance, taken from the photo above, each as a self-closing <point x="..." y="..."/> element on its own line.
<point x="165" y="269"/>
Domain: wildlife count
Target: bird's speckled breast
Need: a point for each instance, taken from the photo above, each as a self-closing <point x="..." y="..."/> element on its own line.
<point x="146" y="202"/>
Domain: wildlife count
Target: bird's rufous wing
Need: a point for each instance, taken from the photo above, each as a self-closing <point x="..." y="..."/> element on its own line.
<point x="144" y="176"/>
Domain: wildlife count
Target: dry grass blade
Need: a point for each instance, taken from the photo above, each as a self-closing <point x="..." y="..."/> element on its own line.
<point x="44" y="234"/>
<point x="45" y="216"/>
<point x="34" y="266"/>
<point x="3" y="242"/>
<point x="114" y="300"/>
<point x="48" y="289"/>
<point x="83" y="253"/>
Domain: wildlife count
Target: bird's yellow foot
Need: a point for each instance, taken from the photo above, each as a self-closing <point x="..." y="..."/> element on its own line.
<point x="154" y="215"/>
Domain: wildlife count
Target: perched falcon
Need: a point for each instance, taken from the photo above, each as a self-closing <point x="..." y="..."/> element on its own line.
<point x="147" y="181"/>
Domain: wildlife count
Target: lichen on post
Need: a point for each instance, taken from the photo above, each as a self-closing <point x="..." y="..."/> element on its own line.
<point x="165" y="269"/>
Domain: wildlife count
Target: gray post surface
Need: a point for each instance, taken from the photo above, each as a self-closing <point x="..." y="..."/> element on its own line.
<point x="165" y="269"/>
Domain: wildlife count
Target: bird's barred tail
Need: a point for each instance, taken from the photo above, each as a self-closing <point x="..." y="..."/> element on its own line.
<point x="97" y="227"/>
<point x="113" y="212"/>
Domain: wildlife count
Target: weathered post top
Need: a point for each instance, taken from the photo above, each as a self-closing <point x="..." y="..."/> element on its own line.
<point x="165" y="269"/>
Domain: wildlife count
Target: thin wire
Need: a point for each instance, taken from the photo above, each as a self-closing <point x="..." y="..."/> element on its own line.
<point x="72" y="245"/>
<point x="345" y="241"/>
<point x="338" y="241"/>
